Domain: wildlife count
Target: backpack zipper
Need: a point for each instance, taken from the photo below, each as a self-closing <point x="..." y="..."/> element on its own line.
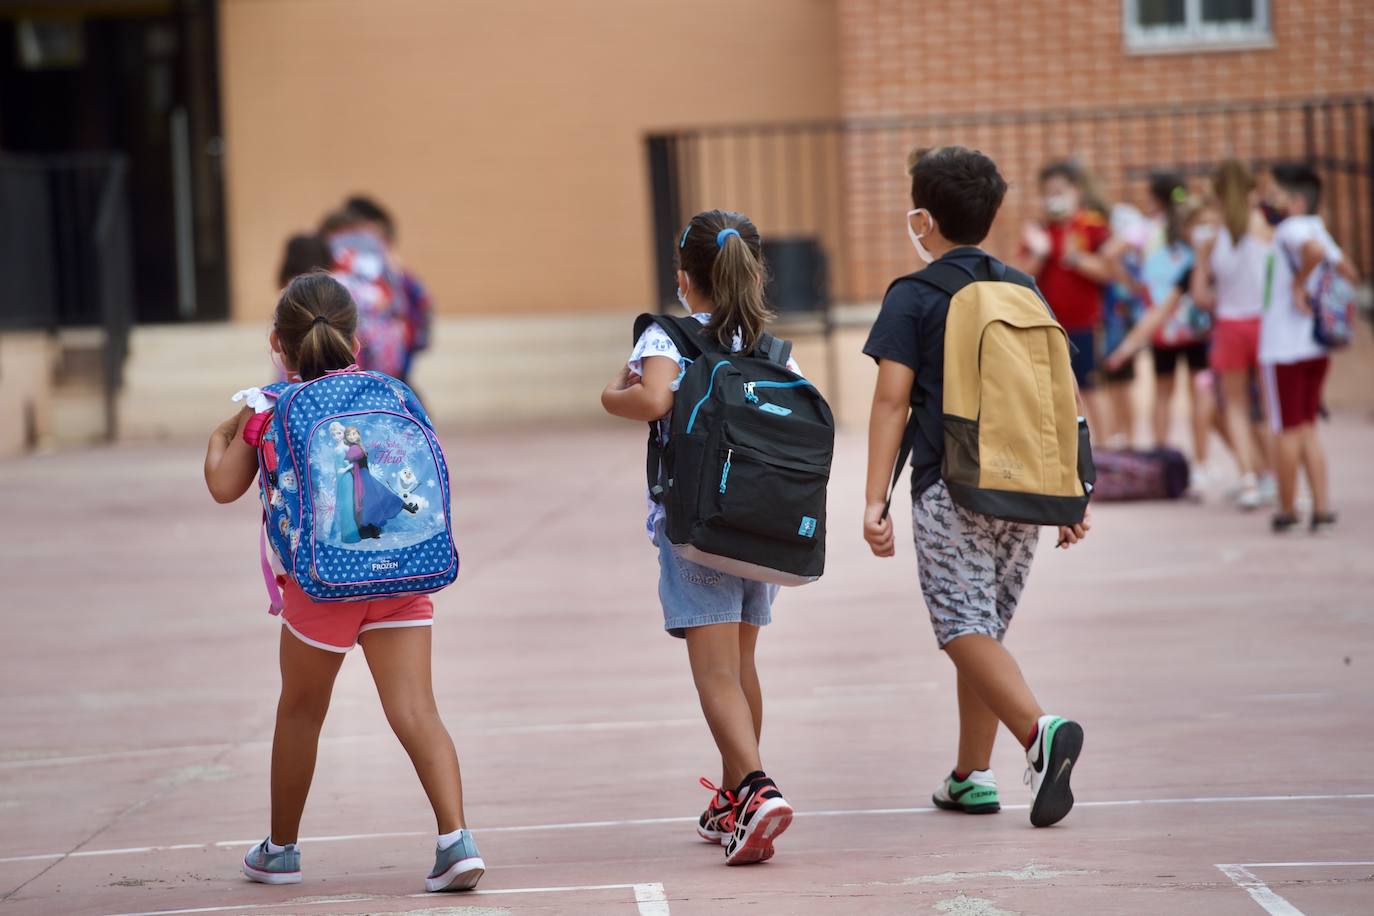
<point x="709" y="388"/>
<point x="750" y="386"/>
<point x="749" y="394"/>
<point x="725" y="471"/>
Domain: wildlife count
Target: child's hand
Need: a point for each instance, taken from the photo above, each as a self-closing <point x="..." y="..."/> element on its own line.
<point x="228" y="428"/>
<point x="1036" y="240"/>
<point x="878" y="530"/>
<point x="1114" y="361"/>
<point x="1300" y="301"/>
<point x="626" y="378"/>
<point x="1072" y="534"/>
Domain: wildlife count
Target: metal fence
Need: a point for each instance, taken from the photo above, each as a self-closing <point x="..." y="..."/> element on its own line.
<point x="66" y="253"/>
<point x="841" y="186"/>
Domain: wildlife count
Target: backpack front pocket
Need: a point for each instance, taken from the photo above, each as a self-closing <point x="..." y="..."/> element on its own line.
<point x="768" y="496"/>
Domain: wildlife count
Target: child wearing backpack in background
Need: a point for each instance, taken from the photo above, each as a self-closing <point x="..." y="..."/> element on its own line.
<point x="314" y="336"/>
<point x="1293" y="361"/>
<point x="972" y="565"/>
<point x="720" y="282"/>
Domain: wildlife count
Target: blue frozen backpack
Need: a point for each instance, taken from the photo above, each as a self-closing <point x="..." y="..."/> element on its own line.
<point x="355" y="490"/>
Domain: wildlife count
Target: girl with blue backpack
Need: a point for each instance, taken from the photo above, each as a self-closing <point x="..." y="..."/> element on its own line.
<point x="344" y="459"/>
<point x="719" y="614"/>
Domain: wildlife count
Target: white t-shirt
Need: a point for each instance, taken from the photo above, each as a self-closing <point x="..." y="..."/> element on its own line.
<point x="1286" y="332"/>
<point x="656" y="342"/>
<point x="1240" y="272"/>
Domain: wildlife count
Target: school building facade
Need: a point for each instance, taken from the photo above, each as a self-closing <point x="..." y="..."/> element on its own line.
<point x="535" y="154"/>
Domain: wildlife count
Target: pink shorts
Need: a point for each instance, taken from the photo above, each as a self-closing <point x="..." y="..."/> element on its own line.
<point x="1235" y="344"/>
<point x="336" y="626"/>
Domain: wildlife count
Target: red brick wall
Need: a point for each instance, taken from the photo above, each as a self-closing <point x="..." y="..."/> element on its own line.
<point x="923" y="56"/>
<point x="926" y="58"/>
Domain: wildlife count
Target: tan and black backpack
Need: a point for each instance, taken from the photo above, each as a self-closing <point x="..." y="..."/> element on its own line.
<point x="1015" y="446"/>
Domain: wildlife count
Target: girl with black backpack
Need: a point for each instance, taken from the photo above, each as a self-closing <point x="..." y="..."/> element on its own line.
<point x="720" y="282"/>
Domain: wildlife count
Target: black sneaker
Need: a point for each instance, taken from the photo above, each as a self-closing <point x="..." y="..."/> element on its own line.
<point x="1282" y="523"/>
<point x="1322" y="523"/>
<point x="761" y="815"/>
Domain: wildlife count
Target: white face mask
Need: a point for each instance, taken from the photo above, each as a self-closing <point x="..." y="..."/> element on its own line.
<point x="1059" y="206"/>
<point x="921" y="251"/>
<point x="682" y="298"/>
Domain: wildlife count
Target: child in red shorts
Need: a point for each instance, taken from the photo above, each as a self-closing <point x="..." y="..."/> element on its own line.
<point x="314" y="332"/>
<point x="1294" y="363"/>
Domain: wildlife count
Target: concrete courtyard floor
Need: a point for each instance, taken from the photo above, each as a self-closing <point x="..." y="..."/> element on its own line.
<point x="1224" y="678"/>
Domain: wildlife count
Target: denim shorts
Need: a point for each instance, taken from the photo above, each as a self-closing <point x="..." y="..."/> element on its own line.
<point x="693" y="595"/>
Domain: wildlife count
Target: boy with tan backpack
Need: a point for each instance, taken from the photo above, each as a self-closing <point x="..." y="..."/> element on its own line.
<point x="975" y="385"/>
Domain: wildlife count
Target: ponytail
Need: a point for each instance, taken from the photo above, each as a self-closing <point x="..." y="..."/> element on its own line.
<point x="722" y="255"/>
<point x="1232" y="184"/>
<point x="315" y="323"/>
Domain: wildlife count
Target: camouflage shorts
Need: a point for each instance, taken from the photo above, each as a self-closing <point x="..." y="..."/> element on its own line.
<point x="972" y="566"/>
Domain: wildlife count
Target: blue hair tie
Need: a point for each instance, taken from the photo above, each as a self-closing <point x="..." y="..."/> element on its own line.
<point x="724" y="234"/>
<point x="682" y="242"/>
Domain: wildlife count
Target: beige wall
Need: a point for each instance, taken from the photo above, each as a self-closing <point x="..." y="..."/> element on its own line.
<point x="505" y="134"/>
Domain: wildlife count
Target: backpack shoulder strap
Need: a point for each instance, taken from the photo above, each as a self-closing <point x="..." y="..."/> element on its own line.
<point x="949" y="277"/>
<point x="685" y="333"/>
<point x="774" y="349"/>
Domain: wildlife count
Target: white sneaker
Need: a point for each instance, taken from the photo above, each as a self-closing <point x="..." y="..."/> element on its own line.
<point x="1049" y="764"/>
<point x="1249" y="496"/>
<point x="975" y="795"/>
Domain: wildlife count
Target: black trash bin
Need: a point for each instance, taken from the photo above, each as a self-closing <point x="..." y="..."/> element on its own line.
<point x="797" y="282"/>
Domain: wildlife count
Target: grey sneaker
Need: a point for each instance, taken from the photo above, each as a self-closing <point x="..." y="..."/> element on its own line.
<point x="273" y="868"/>
<point x="457" y="868"/>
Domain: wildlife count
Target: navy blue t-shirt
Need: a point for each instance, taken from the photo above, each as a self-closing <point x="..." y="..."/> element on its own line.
<point x="910" y="329"/>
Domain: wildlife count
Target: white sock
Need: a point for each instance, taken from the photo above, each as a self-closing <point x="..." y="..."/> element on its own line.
<point x="448" y="839"/>
<point x="274" y="848"/>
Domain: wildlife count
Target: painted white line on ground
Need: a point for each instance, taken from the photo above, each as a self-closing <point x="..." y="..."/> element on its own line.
<point x="654" y="821"/>
<point x="1304" y="864"/>
<point x="1259" y="892"/>
<point x="651" y="899"/>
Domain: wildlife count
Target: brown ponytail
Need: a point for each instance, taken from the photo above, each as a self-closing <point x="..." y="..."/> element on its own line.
<point x="315" y="323"/>
<point x="722" y="255"/>
<point x="1232" y="184"/>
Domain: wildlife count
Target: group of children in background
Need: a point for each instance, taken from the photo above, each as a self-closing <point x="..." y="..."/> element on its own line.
<point x="1215" y="284"/>
<point x="356" y="243"/>
<point x="1214" y="287"/>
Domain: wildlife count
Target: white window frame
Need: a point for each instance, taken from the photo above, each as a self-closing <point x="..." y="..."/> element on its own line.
<point x="1194" y="34"/>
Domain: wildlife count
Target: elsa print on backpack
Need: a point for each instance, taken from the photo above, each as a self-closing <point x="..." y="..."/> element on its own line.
<point x="355" y="510"/>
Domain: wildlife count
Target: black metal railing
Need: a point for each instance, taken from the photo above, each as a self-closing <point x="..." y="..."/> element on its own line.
<point x="65" y="249"/>
<point x="842" y="187"/>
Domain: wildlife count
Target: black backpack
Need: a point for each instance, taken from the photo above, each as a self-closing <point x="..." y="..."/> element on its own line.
<point x="744" y="473"/>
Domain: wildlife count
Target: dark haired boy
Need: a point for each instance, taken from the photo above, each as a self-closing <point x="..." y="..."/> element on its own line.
<point x="972" y="567"/>
<point x="1294" y="365"/>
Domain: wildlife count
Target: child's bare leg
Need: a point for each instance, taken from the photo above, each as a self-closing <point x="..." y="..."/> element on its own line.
<point x="989" y="670"/>
<point x="1123" y="412"/>
<point x="977" y="730"/>
<point x="1314" y="465"/>
<point x="714" y="653"/>
<point x="1289" y="451"/>
<point x="1201" y="409"/>
<point x="400" y="661"/>
<point x="1163" y="408"/>
<point x="1235" y="391"/>
<point x="307" y="681"/>
<point x="749" y="683"/>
